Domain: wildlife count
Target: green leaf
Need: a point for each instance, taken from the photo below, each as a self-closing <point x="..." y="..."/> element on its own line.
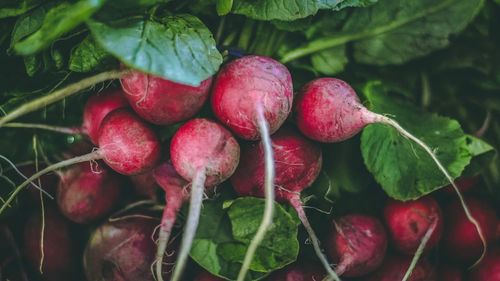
<point x="59" y="20"/>
<point x="224" y="7"/>
<point x="29" y="23"/>
<point x="12" y="8"/>
<point x="225" y="231"/>
<point x="88" y="56"/>
<point x="331" y="61"/>
<point x="483" y="154"/>
<point x="396" y="31"/>
<point x="403" y="169"/>
<point x="179" y="48"/>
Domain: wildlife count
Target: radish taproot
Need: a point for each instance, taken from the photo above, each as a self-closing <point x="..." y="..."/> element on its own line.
<point x="460" y="238"/>
<point x="85" y="195"/>
<point x="300" y="271"/>
<point x="253" y="96"/>
<point x="489" y="268"/>
<point x="297" y="162"/>
<point x="127" y="145"/>
<point x="394" y="267"/>
<point x="328" y="110"/>
<point x="204" y="153"/>
<point x="358" y="245"/>
<point x="161" y="101"/>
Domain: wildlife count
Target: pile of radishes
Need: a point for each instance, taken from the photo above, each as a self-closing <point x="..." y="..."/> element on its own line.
<point x="248" y="143"/>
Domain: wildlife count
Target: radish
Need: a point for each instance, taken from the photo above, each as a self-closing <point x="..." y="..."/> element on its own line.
<point x="298" y="272"/>
<point x="161" y="101"/>
<point x="253" y="96"/>
<point x="461" y="240"/>
<point x="394" y="268"/>
<point x="358" y="245"/>
<point x="145" y="185"/>
<point x="123" y="249"/>
<point x="464" y="184"/>
<point x="449" y="273"/>
<point x="127" y="144"/>
<point x="85" y="195"/>
<point x="206" y="154"/>
<point x="54" y="258"/>
<point x="328" y="110"/>
<point x="408" y="222"/>
<point x="206" y="276"/>
<point x="298" y="163"/>
<point x="489" y="268"/>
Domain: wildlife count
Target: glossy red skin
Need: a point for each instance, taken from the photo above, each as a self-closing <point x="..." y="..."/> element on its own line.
<point x="407" y="222"/>
<point x="298" y="272"/>
<point x="161" y="101"/>
<point x="145" y="185"/>
<point x="99" y="106"/>
<point x="243" y="84"/>
<point x="128" y="145"/>
<point x="328" y="110"/>
<point x="461" y="240"/>
<point x="463" y="184"/>
<point x="85" y="195"/>
<point x="60" y="255"/>
<point x="123" y="250"/>
<point x="449" y="273"/>
<point x="206" y="276"/>
<point x="297" y="164"/>
<point x="204" y="144"/>
<point x="489" y="268"/>
<point x="394" y="268"/>
<point x="358" y="245"/>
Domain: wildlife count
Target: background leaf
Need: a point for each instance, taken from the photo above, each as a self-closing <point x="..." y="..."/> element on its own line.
<point x="88" y="56"/>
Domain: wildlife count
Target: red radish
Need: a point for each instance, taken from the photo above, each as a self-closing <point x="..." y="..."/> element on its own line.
<point x="55" y="259"/>
<point x="298" y="163"/>
<point x="206" y="276"/>
<point x="253" y="96"/>
<point x="408" y="222"/>
<point x="328" y="110"/>
<point x="298" y="272"/>
<point x="464" y="184"/>
<point x="161" y="101"/>
<point x="127" y="144"/>
<point x="123" y="249"/>
<point x="358" y="245"/>
<point x="461" y="240"/>
<point x="394" y="268"/>
<point x="449" y="273"/>
<point x="85" y="195"/>
<point x="145" y="185"/>
<point x="489" y="268"/>
<point x="206" y="154"/>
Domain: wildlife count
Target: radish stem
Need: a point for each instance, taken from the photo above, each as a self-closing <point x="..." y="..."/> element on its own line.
<point x="267" y="218"/>
<point x="57" y="129"/>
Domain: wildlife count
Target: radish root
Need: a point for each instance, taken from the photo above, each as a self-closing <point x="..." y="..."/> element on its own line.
<point x="57" y="129"/>
<point x="420" y="249"/>
<point x="388" y="121"/>
<point x="267" y="218"/>
<point x="197" y="188"/>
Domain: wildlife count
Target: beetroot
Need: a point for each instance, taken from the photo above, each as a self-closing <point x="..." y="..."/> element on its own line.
<point x="85" y="195"/>
<point x="206" y="276"/>
<point x="99" y="106"/>
<point x="206" y="154"/>
<point x="161" y="101"/>
<point x="395" y="267"/>
<point x="298" y="272"/>
<point x="358" y="245"/>
<point x="461" y="240"/>
<point x="449" y="273"/>
<point x="489" y="268"/>
<point x="123" y="250"/>
<point x="59" y="253"/>
<point x="408" y="222"/>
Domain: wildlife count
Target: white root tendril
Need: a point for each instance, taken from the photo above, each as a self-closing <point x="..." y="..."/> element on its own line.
<point x="267" y="218"/>
<point x="420" y="249"/>
<point x="197" y="188"/>
<point x="388" y="121"/>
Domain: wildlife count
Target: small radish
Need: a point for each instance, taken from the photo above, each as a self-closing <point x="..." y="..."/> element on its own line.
<point x="206" y="154"/>
<point x="123" y="249"/>
<point x="299" y="271"/>
<point x="127" y="145"/>
<point x="358" y="245"/>
<point x="394" y="268"/>
<point x="298" y="163"/>
<point x="253" y="96"/>
<point x="489" y="268"/>
<point x="161" y="101"/>
<point x="145" y="185"/>
<point x="461" y="240"/>
<point x="56" y="258"/>
<point x="449" y="273"/>
<point x="85" y="195"/>
<point x="206" y="276"/>
<point x="328" y="110"/>
<point x="408" y="222"/>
